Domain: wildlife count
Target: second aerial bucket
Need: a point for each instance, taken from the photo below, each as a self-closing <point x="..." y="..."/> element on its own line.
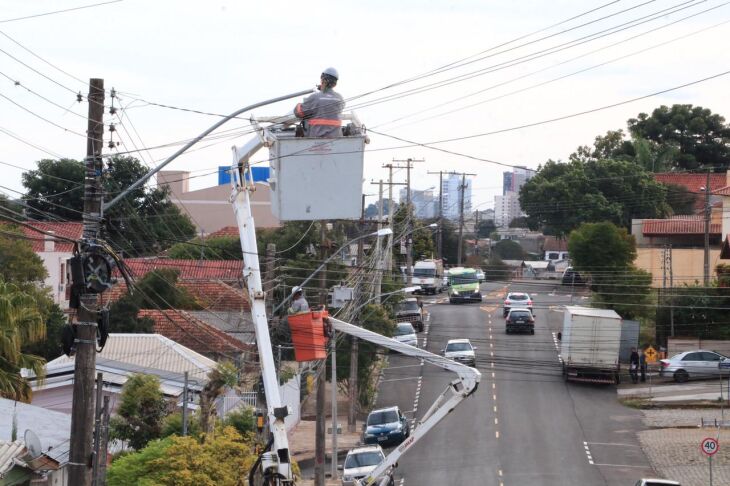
<point x="307" y="335"/>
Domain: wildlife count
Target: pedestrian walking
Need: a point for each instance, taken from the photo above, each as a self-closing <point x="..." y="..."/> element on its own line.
<point x="642" y="365"/>
<point x="634" y="366"/>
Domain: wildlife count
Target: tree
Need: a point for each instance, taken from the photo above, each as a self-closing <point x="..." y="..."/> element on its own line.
<point x="508" y="250"/>
<point x="173" y="425"/>
<point x="496" y="269"/>
<point x="49" y="348"/>
<point x="156" y="290"/>
<point x="141" y="412"/>
<point x="519" y="222"/>
<point x="19" y="264"/>
<point x="221" y="459"/>
<point x="21" y="324"/>
<point x="561" y="196"/>
<point x="145" y="222"/>
<point x="222" y="248"/>
<point x="607" y="254"/>
<point x="224" y="375"/>
<point x="485" y="228"/>
<point x="701" y="138"/>
<point x="242" y="419"/>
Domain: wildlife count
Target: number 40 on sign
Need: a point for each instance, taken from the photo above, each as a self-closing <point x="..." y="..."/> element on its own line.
<point x="709" y="446"/>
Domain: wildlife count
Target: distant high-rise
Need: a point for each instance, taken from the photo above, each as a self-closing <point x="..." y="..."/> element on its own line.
<point x="451" y="196"/>
<point x="506" y="182"/>
<point x="425" y="204"/>
<point x="507" y="206"/>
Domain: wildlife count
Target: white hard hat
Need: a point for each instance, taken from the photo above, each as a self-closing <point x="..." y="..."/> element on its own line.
<point x="330" y="71"/>
<point x="296" y="290"/>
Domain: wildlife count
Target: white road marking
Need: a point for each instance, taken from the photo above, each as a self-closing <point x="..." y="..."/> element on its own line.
<point x="496" y="434"/>
<point x="499" y="472"/>
<point x="613" y="444"/>
<point x="495" y="409"/>
<point x="588" y="453"/>
<point x="622" y="465"/>
<point x="496" y="422"/>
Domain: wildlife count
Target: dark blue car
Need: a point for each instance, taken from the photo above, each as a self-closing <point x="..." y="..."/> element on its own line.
<point x="386" y="426"/>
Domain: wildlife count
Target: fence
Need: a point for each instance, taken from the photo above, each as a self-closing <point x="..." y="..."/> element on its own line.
<point x="680" y="345"/>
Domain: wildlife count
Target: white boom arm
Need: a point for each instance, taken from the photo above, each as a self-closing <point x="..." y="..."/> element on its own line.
<point x="466" y="384"/>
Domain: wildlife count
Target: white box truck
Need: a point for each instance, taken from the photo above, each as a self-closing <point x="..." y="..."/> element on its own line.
<point x="429" y="275"/>
<point x="590" y="344"/>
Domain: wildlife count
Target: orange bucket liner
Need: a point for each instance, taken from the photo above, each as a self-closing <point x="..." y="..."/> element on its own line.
<point x="307" y="335"/>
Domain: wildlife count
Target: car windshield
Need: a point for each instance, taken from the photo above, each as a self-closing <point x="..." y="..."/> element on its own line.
<point x="404" y="329"/>
<point x="518" y="297"/>
<point x="463" y="279"/>
<point x="382" y="417"/>
<point x="362" y="459"/>
<point x="520" y="314"/>
<point x="458" y="347"/>
<point x="424" y="272"/>
<point x="410" y="305"/>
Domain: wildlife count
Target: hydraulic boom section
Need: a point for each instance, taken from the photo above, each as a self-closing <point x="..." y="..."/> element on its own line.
<point x="460" y="388"/>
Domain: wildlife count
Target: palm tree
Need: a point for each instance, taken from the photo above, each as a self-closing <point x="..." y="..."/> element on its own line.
<point x="21" y="323"/>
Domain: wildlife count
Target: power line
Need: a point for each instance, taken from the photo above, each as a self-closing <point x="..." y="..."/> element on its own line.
<point x="59" y="11"/>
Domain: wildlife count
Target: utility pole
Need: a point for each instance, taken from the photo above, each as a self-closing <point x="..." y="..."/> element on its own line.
<point x="97" y="426"/>
<point x="82" y="409"/>
<point x="333" y="377"/>
<point x="440" y="242"/>
<point x="379" y="246"/>
<point x="410" y="214"/>
<point x="185" y="407"/>
<point x="708" y="214"/>
<point x="391" y="210"/>
<point x="671" y="295"/>
<point x="319" y="436"/>
<point x="104" y="448"/>
<point x="352" y="391"/>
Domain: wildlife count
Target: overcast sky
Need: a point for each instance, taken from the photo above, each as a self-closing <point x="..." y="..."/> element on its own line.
<point x="218" y="56"/>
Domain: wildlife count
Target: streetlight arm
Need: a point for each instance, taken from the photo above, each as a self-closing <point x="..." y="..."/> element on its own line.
<point x="197" y="139"/>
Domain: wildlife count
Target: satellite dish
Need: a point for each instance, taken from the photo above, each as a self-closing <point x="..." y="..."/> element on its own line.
<point x="33" y="444"/>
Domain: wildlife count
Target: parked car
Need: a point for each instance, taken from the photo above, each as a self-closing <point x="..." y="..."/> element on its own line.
<point x="404" y="333"/>
<point x="386" y="426"/>
<point x="516" y="299"/>
<point x="410" y="310"/>
<point x="520" y="320"/>
<point x="480" y="276"/>
<point x="693" y="364"/>
<point x="460" y="350"/>
<point x="360" y="462"/>
<point x="656" y="482"/>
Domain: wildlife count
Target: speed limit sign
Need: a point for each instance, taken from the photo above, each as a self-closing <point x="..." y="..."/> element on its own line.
<point x="709" y="446"/>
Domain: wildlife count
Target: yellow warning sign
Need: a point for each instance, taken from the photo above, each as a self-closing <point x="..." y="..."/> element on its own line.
<point x="651" y="355"/>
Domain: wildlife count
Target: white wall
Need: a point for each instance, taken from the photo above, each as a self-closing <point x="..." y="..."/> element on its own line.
<point x="55" y="263"/>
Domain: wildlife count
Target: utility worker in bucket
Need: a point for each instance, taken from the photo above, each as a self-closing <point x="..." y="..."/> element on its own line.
<point x="321" y="111"/>
<point x="299" y="304"/>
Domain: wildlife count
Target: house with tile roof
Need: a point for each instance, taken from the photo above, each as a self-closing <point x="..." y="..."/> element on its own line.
<point x="229" y="271"/>
<point x="54" y="252"/>
<point x="194" y="333"/>
<point x="123" y="356"/>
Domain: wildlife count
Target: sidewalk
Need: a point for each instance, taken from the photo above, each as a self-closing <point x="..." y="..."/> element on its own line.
<point x="301" y="439"/>
<point x="666" y="392"/>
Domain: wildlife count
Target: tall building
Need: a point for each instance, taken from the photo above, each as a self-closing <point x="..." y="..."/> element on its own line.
<point x="506" y="208"/>
<point x="506" y="182"/>
<point x="513" y="181"/>
<point x="451" y="194"/>
<point x="425" y="204"/>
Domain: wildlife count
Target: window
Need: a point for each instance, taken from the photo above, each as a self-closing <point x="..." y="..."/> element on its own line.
<point x="404" y="329"/>
<point x="363" y="459"/>
<point x="382" y="417"/>
<point x="552" y="256"/>
<point x="710" y="357"/>
<point x="458" y="347"/>
<point x="693" y="357"/>
<point x="62" y="278"/>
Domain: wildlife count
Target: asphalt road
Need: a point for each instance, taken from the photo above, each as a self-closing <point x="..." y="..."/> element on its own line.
<point x="524" y="425"/>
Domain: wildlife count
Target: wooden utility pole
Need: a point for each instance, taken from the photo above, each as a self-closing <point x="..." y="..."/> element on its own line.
<point x="82" y="409"/>
<point x="97" y="427"/>
<point x="410" y="215"/>
<point x="440" y="241"/>
<point x="185" y="405"/>
<point x="391" y="210"/>
<point x="354" y="344"/>
<point x="708" y="215"/>
<point x="319" y="434"/>
<point x="104" y="448"/>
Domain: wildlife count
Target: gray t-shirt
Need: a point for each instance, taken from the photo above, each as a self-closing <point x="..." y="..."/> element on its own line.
<point x="299" y="305"/>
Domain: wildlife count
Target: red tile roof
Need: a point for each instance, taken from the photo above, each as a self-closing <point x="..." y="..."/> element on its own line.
<point x="554" y="244"/>
<point x="226" y="270"/>
<point x="723" y="191"/>
<point x="67" y="229"/>
<point x="693" y="182"/>
<point x="213" y="295"/>
<point x="225" y="232"/>
<point x="193" y="333"/>
<point x="679" y="225"/>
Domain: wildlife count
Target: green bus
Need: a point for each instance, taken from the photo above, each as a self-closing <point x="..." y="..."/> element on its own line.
<point x="463" y="285"/>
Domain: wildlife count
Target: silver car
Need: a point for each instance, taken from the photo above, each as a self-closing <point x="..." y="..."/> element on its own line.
<point x="360" y="462"/>
<point x="695" y="364"/>
<point x="404" y="333"/>
<point x="460" y="350"/>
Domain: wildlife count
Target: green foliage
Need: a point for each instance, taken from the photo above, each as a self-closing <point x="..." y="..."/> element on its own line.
<point x="423" y="242"/>
<point x="607" y="254"/>
<point x="222" y="248"/>
<point x="701" y="138"/>
<point x="496" y="270"/>
<point x="561" y="196"/>
<point x="144" y="223"/>
<point x="294" y="238"/>
<point x="224" y="375"/>
<point x="243" y="420"/>
<point x="18" y="262"/>
<point x="485" y="228"/>
<point x="519" y="222"/>
<point x="221" y="459"/>
<point x="156" y="290"/>
<point x="49" y="348"/>
<point x="172" y="425"/>
<point x="141" y="411"/>
<point x="699" y="311"/>
<point x="21" y="323"/>
<point x="508" y="250"/>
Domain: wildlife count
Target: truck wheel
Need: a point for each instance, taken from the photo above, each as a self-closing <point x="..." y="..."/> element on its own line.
<point x="680" y="376"/>
<point x="532" y="331"/>
<point x="617" y="378"/>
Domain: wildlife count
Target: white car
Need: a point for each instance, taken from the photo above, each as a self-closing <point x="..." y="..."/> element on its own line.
<point x="480" y="276"/>
<point x="404" y="333"/>
<point x="656" y="482"/>
<point x="460" y="350"/>
<point x="360" y="462"/>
